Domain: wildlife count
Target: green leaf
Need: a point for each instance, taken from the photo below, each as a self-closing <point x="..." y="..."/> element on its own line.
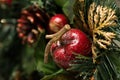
<point x="28" y="59"/>
<point x="103" y="72"/>
<point x="115" y="59"/>
<point x="49" y="77"/>
<point x="60" y="2"/>
<point x="68" y="10"/>
<point x="48" y="68"/>
<point x="106" y="69"/>
<point x="97" y="75"/>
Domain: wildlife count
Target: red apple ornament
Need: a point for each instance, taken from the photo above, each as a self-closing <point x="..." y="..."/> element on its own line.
<point x="73" y="41"/>
<point x="57" y="22"/>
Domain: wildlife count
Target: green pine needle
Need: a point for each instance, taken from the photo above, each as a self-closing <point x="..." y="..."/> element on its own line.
<point x="107" y="62"/>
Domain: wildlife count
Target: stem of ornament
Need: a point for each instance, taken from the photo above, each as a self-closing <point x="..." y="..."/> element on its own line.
<point x="54" y="37"/>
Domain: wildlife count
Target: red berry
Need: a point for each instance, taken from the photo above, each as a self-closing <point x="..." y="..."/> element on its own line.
<point x="73" y="41"/>
<point x="57" y="22"/>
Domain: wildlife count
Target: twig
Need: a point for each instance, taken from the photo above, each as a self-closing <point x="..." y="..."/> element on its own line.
<point x="54" y="37"/>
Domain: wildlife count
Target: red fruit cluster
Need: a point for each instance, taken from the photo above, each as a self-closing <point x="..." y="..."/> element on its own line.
<point x="72" y="42"/>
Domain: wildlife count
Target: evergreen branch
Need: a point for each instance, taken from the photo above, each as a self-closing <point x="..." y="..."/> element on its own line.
<point x="111" y="64"/>
<point x="105" y="69"/>
<point x="84" y="65"/>
<point x="91" y="16"/>
<point x="108" y="35"/>
<point x="49" y="77"/>
<point x="78" y="56"/>
<point x="103" y="23"/>
<point x="83" y="20"/>
<point x="116" y="44"/>
<point x="99" y="18"/>
<point x="101" y="44"/>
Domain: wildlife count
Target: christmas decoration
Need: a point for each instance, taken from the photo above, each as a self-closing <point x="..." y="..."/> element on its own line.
<point x="32" y="22"/>
<point x="99" y="20"/>
<point x="85" y="47"/>
<point x="97" y="27"/>
<point x="57" y="22"/>
<point x="97" y="23"/>
<point x="72" y="42"/>
<point x="57" y="37"/>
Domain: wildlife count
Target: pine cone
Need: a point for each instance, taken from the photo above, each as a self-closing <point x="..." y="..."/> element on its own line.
<point x="32" y="22"/>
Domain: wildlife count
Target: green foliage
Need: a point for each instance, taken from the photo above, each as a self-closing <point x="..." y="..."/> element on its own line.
<point x="60" y="2"/>
<point x="48" y="68"/>
<point x="68" y="10"/>
<point x="10" y="47"/>
<point x="106" y="64"/>
<point x="106" y="69"/>
<point x="6" y="34"/>
<point x="84" y="65"/>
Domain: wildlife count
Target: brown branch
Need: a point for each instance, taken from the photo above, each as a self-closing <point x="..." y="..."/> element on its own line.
<point x="63" y="30"/>
<point x="54" y="37"/>
<point x="47" y="49"/>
